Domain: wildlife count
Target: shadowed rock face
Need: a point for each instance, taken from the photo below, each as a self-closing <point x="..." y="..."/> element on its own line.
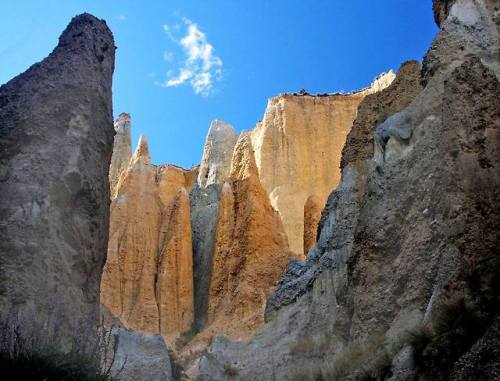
<point x="376" y="108"/>
<point x="312" y="215"/>
<point x="56" y="135"/>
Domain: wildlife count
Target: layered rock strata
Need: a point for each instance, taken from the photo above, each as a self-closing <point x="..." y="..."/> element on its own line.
<point x="301" y="138"/>
<point x="148" y="280"/>
<point x="408" y="232"/>
<point x="56" y="134"/>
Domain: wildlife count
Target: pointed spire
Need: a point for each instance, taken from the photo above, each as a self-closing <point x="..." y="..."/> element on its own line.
<point x="142" y="151"/>
<point x="216" y="160"/>
<point x="122" y="151"/>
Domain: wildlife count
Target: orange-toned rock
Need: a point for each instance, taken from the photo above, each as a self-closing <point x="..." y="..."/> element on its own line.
<point x="147" y="281"/>
<point x="128" y="280"/>
<point x="312" y="215"/>
<point x="251" y="248"/>
<point x="298" y="146"/>
<point x="174" y="283"/>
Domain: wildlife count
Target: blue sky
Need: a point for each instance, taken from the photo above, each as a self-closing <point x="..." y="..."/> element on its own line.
<point x="182" y="63"/>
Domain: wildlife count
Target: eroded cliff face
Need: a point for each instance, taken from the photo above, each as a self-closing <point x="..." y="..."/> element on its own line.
<point x="298" y="146"/>
<point x="250" y="250"/>
<point x="56" y="133"/>
<point x="148" y="280"/>
<point x="239" y="243"/>
<point x="407" y="241"/>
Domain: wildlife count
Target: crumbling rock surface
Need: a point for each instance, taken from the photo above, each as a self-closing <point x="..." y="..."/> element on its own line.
<point x="56" y="134"/>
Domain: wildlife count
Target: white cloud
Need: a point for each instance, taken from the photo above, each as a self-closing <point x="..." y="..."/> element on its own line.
<point x="122" y="17"/>
<point x="201" y="67"/>
<point x="183" y="76"/>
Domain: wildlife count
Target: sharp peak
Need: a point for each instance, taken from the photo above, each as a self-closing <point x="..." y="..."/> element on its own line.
<point x="142" y="150"/>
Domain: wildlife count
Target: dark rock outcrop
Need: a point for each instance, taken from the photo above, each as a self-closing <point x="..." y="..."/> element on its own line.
<point x="56" y="136"/>
<point x="376" y="108"/>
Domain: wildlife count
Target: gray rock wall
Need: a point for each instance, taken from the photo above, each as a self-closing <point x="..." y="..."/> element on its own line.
<point x="56" y="136"/>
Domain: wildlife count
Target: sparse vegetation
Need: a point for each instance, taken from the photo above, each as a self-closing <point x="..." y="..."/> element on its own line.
<point x="368" y="360"/>
<point x="437" y="345"/>
<point x="312" y="346"/>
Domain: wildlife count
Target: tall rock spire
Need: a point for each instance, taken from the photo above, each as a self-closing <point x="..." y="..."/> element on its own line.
<point x="56" y="137"/>
<point x="122" y="151"/>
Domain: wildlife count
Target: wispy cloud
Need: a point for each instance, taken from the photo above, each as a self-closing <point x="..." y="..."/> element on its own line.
<point x="122" y="18"/>
<point x="200" y="68"/>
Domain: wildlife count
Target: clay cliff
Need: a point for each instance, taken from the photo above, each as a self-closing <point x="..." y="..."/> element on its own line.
<point x="250" y="250"/>
<point x="148" y="279"/>
<point x="403" y="282"/>
<point x="297" y="150"/>
<point x="56" y="133"/>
